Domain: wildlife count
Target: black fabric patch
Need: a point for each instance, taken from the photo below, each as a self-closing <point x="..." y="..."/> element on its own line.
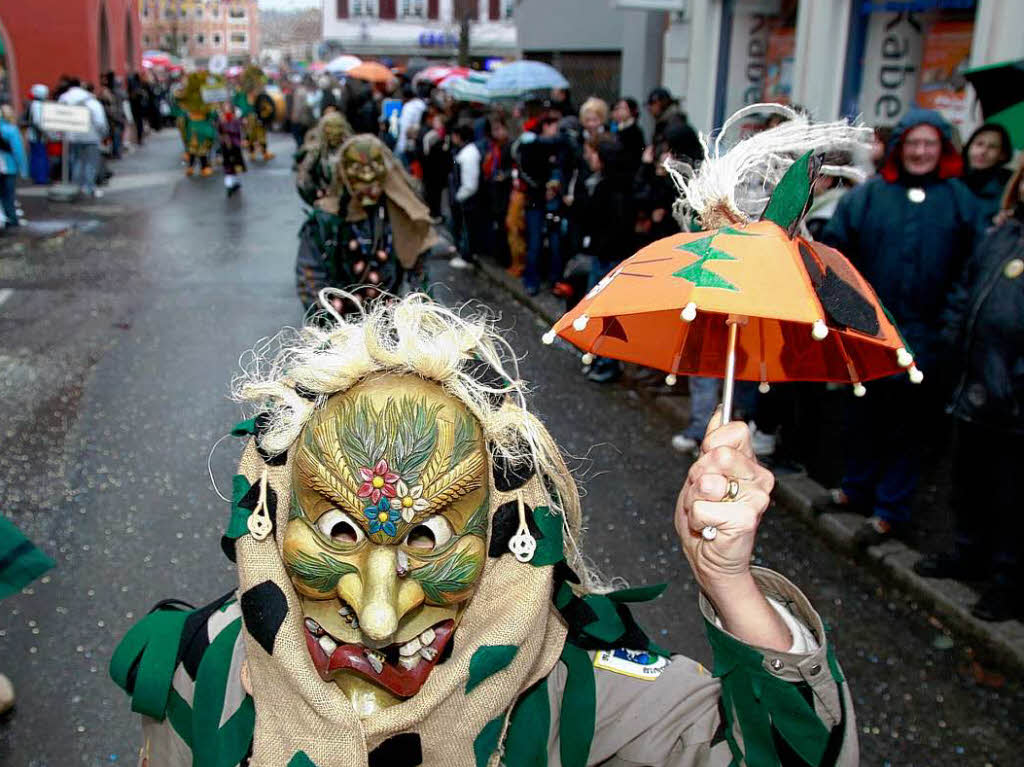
<point x="263" y="609"/>
<point x="811" y="265"/>
<point x="577" y="614"/>
<point x="194" y="637"/>
<point x="504" y="524"/>
<point x="563" y="573"/>
<point x="402" y="750"/>
<point x="227" y="545"/>
<point x="511" y="475"/>
<point x="719" y="735"/>
<point x="260" y="427"/>
<point x="846" y="306"/>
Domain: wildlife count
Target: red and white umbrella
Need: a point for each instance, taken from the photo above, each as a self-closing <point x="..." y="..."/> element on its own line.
<point x="438" y="72"/>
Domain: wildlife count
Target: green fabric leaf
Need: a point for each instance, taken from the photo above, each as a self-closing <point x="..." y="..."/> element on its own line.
<point x="578" y="711"/>
<point x="487" y="741"/>
<point x="151" y="645"/>
<point x="609" y="626"/>
<point x="792" y="195"/>
<point x="244" y="428"/>
<point x="697" y="273"/>
<point x="549" y="548"/>
<point x="638" y="593"/>
<point x="300" y="759"/>
<point x="487" y="661"/>
<point x="213" y="745"/>
<point x="527" y="741"/>
<point x="238" y="522"/>
<point x="20" y="561"/>
<point x="759" y="703"/>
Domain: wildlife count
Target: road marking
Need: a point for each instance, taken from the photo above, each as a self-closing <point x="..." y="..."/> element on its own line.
<point x="5" y="293"/>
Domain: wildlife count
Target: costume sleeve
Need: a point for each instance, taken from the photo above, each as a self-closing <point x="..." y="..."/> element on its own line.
<point x="755" y="707"/>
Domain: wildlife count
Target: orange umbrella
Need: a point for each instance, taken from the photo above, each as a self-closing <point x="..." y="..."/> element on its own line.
<point x="371" y="71"/>
<point x="752" y="301"/>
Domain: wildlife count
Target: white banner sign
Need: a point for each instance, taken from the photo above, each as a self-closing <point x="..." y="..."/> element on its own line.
<point x="64" y="118"/>
<point x="215" y="95"/>
<point x="892" y="65"/>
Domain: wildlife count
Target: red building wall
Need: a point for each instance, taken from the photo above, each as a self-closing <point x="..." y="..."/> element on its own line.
<point x="47" y="38"/>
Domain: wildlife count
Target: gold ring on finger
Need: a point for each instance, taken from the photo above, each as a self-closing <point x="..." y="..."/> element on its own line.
<point x="732" y="492"/>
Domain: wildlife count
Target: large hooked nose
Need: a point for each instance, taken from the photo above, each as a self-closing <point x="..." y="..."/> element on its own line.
<point x="378" y="618"/>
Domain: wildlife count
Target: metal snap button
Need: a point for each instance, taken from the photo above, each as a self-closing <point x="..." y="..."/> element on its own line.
<point x="815" y="669"/>
<point x="776" y="664"/>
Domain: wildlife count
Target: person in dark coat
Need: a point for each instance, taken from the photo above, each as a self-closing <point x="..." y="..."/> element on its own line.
<point x="672" y="131"/>
<point x="985" y="156"/>
<point x="909" y="231"/>
<point x="984" y="327"/>
<point x="630" y="135"/>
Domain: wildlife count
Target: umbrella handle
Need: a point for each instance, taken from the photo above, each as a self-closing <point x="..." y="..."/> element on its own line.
<point x="728" y="387"/>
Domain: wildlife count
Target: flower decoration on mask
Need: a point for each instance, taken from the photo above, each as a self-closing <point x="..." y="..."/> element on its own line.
<point x="377" y="482"/>
<point x="410" y="501"/>
<point x="382" y="518"/>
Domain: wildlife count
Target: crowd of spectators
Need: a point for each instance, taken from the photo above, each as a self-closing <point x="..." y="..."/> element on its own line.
<point x="559" y="195"/>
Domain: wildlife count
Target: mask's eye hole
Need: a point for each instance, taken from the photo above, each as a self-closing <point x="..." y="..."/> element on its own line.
<point x="429" y="534"/>
<point x="339" y="527"/>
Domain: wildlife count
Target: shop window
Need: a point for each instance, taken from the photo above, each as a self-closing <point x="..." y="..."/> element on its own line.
<point x="510" y="8"/>
<point x="364" y="8"/>
<point x="342" y="9"/>
<point x="413" y="9"/>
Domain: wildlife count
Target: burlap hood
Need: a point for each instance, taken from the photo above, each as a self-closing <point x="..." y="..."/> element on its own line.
<point x="296" y="711"/>
<point x="410" y="218"/>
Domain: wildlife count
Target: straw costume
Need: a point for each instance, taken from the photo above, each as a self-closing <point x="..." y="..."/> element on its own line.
<point x="199" y="120"/>
<point x="257" y="110"/>
<point x="411" y="589"/>
<point x="368" y="228"/>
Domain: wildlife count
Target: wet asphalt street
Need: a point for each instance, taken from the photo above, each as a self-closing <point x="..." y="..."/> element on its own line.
<point x="118" y="339"/>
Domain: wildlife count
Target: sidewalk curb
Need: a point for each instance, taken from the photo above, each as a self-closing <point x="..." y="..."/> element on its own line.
<point x="892" y="561"/>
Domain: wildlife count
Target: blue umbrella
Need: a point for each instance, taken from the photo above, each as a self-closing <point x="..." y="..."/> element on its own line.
<point x="519" y="77"/>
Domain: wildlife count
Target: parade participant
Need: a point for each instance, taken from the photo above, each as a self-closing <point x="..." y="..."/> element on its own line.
<point x="32" y="122"/>
<point x="256" y="109"/>
<point x="909" y="231"/>
<point x="382" y="227"/>
<point x="198" y="120"/>
<point x="412" y="590"/>
<point x="229" y="130"/>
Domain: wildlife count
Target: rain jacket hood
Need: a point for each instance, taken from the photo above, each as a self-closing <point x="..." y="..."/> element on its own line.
<point x="950" y="163"/>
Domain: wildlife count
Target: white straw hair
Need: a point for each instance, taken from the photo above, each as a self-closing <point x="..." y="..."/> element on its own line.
<point x="292" y="374"/>
<point x="732" y="186"/>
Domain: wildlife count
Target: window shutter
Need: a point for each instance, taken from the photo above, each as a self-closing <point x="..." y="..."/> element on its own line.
<point x="432" y="9"/>
<point x="494" y="11"/>
<point x="388" y="9"/>
<point x="342" y="9"/>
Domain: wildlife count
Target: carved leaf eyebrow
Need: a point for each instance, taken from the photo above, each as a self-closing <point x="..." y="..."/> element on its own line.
<point x="327" y="473"/>
<point x="452" y="485"/>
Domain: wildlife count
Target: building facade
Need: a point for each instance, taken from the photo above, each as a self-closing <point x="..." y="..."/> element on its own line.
<point x="404" y="29"/>
<point x="43" y="39"/>
<point x="196" y="30"/>
<point x="866" y="59"/>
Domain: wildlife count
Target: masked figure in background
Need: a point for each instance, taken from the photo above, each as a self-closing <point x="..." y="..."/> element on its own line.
<point x="380" y="229"/>
<point x="411" y="589"/>
<point x="199" y="119"/>
<point x="257" y="110"/>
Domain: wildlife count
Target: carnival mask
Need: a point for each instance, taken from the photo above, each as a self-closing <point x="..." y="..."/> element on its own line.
<point x="387" y="533"/>
<point x="365" y="169"/>
<point x="334" y="129"/>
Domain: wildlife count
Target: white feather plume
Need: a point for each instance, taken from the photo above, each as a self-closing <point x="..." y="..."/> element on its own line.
<point x="732" y="186"/>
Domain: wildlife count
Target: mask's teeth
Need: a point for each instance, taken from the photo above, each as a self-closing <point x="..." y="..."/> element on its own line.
<point x="313" y="627"/>
<point x="328" y="645"/>
<point x="376" y="660"/>
<point x="427" y="637"/>
<point x="428" y="652"/>
<point x="410" y="662"/>
<point x="410" y="648"/>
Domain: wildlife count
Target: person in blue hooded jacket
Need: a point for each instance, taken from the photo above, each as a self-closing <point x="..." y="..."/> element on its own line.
<point x="13" y="164"/>
<point x="909" y="231"/>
